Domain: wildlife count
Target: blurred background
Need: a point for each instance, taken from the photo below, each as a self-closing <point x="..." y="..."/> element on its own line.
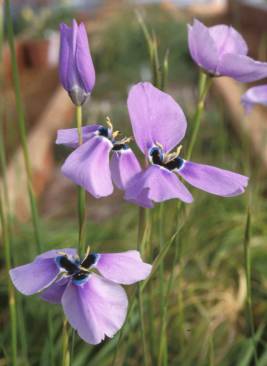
<point x="206" y="321"/>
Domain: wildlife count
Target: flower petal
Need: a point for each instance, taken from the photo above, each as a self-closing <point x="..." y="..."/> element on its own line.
<point x="65" y="34"/>
<point x="84" y="62"/>
<point x="88" y="166"/>
<point x="202" y="47"/>
<point x="96" y="308"/>
<point x="67" y="68"/>
<point x="155" y="117"/>
<point x="35" y="276"/>
<point x="228" y="40"/>
<point x="213" y="180"/>
<point x="242" y="68"/>
<point x="158" y="184"/>
<point x="254" y="95"/>
<point x="69" y="136"/>
<point x="125" y="268"/>
<point x="56" y="252"/>
<point x="53" y="294"/>
<point x="124" y="166"/>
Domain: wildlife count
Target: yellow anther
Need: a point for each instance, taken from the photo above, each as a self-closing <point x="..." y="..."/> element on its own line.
<point x="125" y="140"/>
<point x="115" y="134"/>
<point x="173" y="155"/>
<point x="179" y="148"/>
<point x="109" y="123"/>
<point x="87" y="251"/>
<point x="62" y="253"/>
<point x="158" y="144"/>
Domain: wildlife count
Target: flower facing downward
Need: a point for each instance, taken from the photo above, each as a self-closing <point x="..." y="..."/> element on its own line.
<point x="221" y="51"/>
<point x="254" y="95"/>
<point x="159" y="124"/>
<point x="95" y="305"/>
<point x="89" y="166"/>
<point x="76" y="69"/>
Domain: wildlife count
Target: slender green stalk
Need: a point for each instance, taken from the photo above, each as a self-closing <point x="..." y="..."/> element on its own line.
<point x="165" y="70"/>
<point x="11" y="294"/>
<point x="65" y="345"/>
<point x="81" y="201"/>
<point x="23" y="337"/>
<point x="141" y="227"/>
<point x="51" y="338"/>
<point x="162" y="339"/>
<point x="22" y="127"/>
<point x="247" y="260"/>
<point x="73" y="333"/>
<point x="204" y="86"/>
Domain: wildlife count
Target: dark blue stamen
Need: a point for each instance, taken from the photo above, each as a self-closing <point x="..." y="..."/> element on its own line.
<point x="175" y="163"/>
<point x="65" y="263"/>
<point x="157" y="159"/>
<point x="156" y="156"/>
<point x="118" y="147"/>
<point x="103" y="131"/>
<point x="89" y="260"/>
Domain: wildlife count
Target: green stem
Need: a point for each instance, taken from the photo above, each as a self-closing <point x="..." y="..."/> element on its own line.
<point x="247" y="260"/>
<point x="65" y="345"/>
<point x="11" y="294"/>
<point x="205" y="82"/>
<point x="140" y="234"/>
<point x="81" y="201"/>
<point x="163" y="306"/>
<point x="73" y="334"/>
<point x="22" y="127"/>
<point x="51" y="338"/>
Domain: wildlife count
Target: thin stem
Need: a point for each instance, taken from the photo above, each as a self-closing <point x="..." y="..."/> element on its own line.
<point x="73" y="333"/>
<point x="140" y="234"/>
<point x="65" y="345"/>
<point x="204" y="86"/>
<point x="162" y="348"/>
<point x="11" y="294"/>
<point x="50" y="338"/>
<point x="81" y="200"/>
<point x="22" y="127"/>
<point x="247" y="260"/>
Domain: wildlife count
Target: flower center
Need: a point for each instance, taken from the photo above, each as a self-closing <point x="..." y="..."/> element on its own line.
<point x="118" y="143"/>
<point x="73" y="267"/>
<point x="170" y="161"/>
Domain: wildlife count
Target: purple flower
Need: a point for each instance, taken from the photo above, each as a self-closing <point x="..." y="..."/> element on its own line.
<point x="89" y="166"/>
<point x="222" y="51"/>
<point x="159" y="124"/>
<point x="95" y="305"/>
<point x="255" y="95"/>
<point x="76" y="69"/>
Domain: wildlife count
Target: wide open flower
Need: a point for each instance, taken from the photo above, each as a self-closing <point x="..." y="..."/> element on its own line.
<point x="254" y="95"/>
<point x="221" y="51"/>
<point x="76" y="68"/>
<point x="96" y="306"/>
<point x="159" y="124"/>
<point x="89" y="166"/>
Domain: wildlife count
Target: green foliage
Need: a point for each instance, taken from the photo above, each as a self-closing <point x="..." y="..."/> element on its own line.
<point x="122" y="57"/>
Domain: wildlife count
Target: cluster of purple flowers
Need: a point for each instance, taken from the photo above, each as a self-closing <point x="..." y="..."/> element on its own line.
<point x="89" y="289"/>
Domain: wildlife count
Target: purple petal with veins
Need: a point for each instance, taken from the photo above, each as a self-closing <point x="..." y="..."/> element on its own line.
<point x="88" y="166"/>
<point x="213" y="180"/>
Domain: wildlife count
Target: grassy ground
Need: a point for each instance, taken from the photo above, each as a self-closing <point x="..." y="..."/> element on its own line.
<point x="206" y="320"/>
